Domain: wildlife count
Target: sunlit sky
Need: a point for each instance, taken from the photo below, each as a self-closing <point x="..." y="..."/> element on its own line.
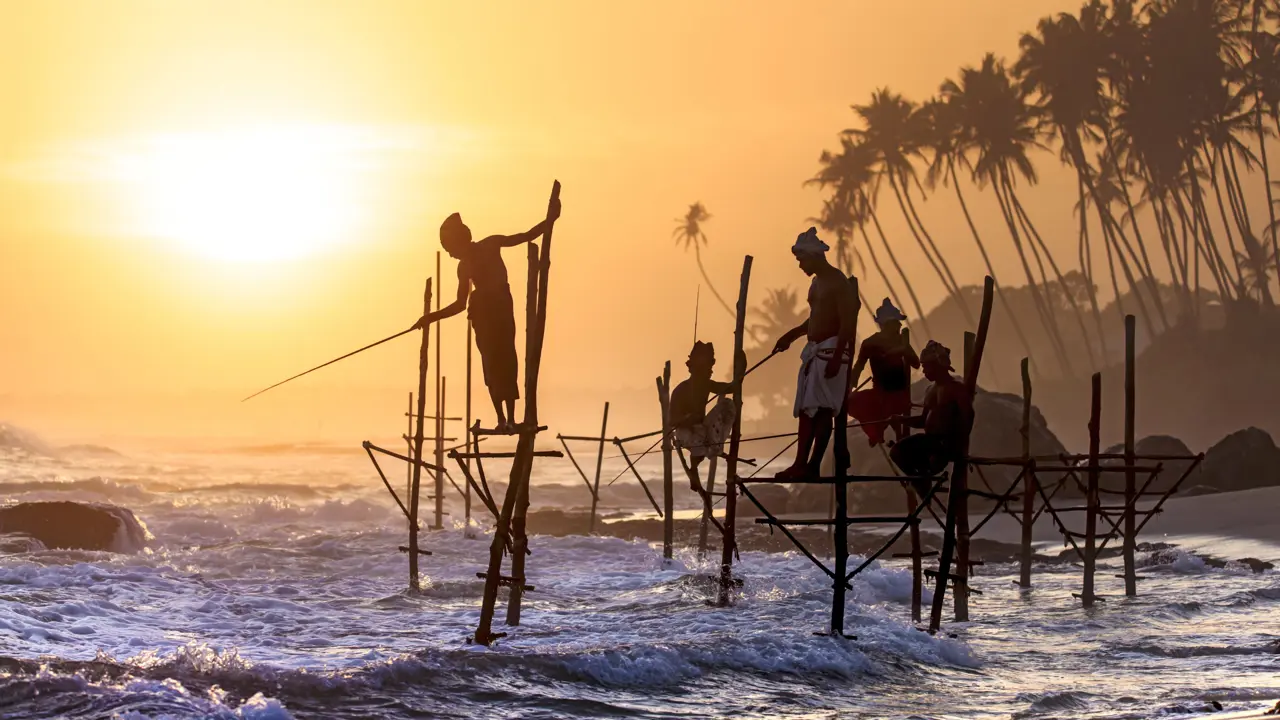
<point x="200" y="198"/>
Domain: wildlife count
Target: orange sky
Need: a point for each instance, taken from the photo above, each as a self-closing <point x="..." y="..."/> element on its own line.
<point x="123" y="322"/>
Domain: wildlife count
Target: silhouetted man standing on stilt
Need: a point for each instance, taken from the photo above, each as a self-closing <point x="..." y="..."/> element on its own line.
<point x="484" y="292"/>
<point x="824" y="363"/>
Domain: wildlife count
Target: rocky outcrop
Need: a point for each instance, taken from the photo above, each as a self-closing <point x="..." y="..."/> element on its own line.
<point x="1172" y="469"/>
<point x="1244" y="459"/>
<point x="76" y="526"/>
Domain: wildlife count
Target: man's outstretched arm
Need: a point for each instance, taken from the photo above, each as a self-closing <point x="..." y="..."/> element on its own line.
<point x="458" y="305"/>
<point x="532" y="233"/>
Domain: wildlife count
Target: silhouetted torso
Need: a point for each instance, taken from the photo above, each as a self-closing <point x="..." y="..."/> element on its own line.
<point x="689" y="400"/>
<point x="891" y="361"/>
<point x="487" y="273"/>
<point x="826" y="296"/>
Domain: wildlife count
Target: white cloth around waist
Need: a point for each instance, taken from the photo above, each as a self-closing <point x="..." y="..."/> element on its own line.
<point x="814" y="390"/>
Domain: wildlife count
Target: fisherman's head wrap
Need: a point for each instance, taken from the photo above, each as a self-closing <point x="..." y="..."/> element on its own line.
<point x="935" y="353"/>
<point x="887" y="312"/>
<point x="702" y="352"/>
<point x="809" y="244"/>
<point x="453" y="232"/>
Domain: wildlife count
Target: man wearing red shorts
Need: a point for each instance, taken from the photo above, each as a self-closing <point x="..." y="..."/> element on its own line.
<point x="891" y="358"/>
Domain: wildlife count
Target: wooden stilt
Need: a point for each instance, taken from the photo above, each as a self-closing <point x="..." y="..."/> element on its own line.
<point x="424" y="354"/>
<point x="707" y="510"/>
<point x="1091" y="491"/>
<point x="1028" y="480"/>
<point x="668" y="487"/>
<point x="438" y="475"/>
<point x="960" y="469"/>
<point x="841" y="526"/>
<point x="526" y="445"/>
<point x="595" y="490"/>
<point x="735" y="440"/>
<point x="468" y="445"/>
<point x="511" y="520"/>
<point x="1130" y="478"/>
<point x="960" y="598"/>
<point x="917" y="557"/>
<point x="408" y="449"/>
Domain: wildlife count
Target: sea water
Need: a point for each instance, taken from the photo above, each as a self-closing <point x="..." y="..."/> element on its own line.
<point x="272" y="588"/>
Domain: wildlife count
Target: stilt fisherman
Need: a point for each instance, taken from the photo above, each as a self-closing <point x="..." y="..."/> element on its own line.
<point x="484" y="292"/>
<point x="822" y="385"/>
<point x="888" y="401"/>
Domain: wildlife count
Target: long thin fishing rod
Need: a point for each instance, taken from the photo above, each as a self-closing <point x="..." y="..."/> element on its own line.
<point x="697" y="303"/>
<point x="344" y="357"/>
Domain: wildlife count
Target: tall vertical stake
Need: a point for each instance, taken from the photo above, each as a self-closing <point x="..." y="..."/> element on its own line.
<point x="1091" y="502"/>
<point x="595" y="490"/>
<point x="840" y="530"/>
<point x="730" y="545"/>
<point x="668" y="488"/>
<point x="515" y="504"/>
<point x="444" y="386"/>
<point x="1029" y="480"/>
<point x="960" y="599"/>
<point x="438" y="475"/>
<point x="960" y="468"/>
<point x="522" y="464"/>
<point x="1130" y="478"/>
<point x="466" y="487"/>
<point x="408" y="447"/>
<point x="424" y="355"/>
<point x="917" y="564"/>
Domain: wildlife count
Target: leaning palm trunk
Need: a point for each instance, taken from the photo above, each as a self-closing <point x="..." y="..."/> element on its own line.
<point x="986" y="259"/>
<point x="1213" y="253"/>
<point x="1205" y="248"/>
<point x="1086" y="267"/>
<point x="964" y="306"/>
<point x="1046" y="317"/>
<point x="1222" y="212"/>
<point x="906" y="282"/>
<point x="1266" y="182"/>
<point x="953" y="291"/>
<point x="1057" y="274"/>
<point x="697" y="255"/>
<point x="1144" y="266"/>
<point x="875" y="262"/>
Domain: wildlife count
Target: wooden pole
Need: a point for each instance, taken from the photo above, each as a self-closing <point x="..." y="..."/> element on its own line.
<point x="1091" y="502"/>
<point x="709" y="487"/>
<point x="960" y="598"/>
<point x="960" y="468"/>
<point x="466" y="495"/>
<point x="1130" y="479"/>
<point x="525" y="446"/>
<point x="511" y="520"/>
<point x="444" y="385"/>
<point x="841" y="517"/>
<point x="668" y="487"/>
<point x="735" y="440"/>
<point x="408" y="449"/>
<point x="439" y="444"/>
<point x="1028" y="479"/>
<point x="595" y="490"/>
<point x="424" y="353"/>
<point x="917" y="559"/>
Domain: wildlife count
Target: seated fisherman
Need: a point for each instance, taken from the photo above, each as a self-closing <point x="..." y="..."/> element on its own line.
<point x="947" y="419"/>
<point x="701" y="433"/>
<point x="891" y="358"/>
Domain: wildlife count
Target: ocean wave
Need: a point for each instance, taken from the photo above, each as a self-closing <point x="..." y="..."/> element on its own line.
<point x="1194" y="651"/>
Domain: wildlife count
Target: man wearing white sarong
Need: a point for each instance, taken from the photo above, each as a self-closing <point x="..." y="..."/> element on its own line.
<point x="824" y="363"/>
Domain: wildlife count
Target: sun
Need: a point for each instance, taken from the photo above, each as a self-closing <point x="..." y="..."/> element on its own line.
<point x="254" y="194"/>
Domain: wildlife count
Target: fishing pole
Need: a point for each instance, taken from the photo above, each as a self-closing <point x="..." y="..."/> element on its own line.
<point x="344" y="357"/>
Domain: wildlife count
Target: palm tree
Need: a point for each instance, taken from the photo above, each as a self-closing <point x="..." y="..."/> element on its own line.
<point x="1063" y="64"/>
<point x="892" y="131"/>
<point x="837" y="219"/>
<point x="945" y="141"/>
<point x="998" y="126"/>
<point x="850" y="174"/>
<point x="689" y="231"/>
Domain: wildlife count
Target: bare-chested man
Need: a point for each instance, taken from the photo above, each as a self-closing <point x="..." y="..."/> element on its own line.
<point x="699" y="432"/>
<point x="484" y="292"/>
<point x="891" y="358"/>
<point x="947" y="419"/>
<point x="823" y="381"/>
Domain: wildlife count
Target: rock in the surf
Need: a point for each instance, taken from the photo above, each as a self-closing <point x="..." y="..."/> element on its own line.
<point x="76" y="526"/>
<point x="1244" y="459"/>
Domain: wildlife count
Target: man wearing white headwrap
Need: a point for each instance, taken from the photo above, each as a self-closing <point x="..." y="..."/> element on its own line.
<point x="823" y="380"/>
